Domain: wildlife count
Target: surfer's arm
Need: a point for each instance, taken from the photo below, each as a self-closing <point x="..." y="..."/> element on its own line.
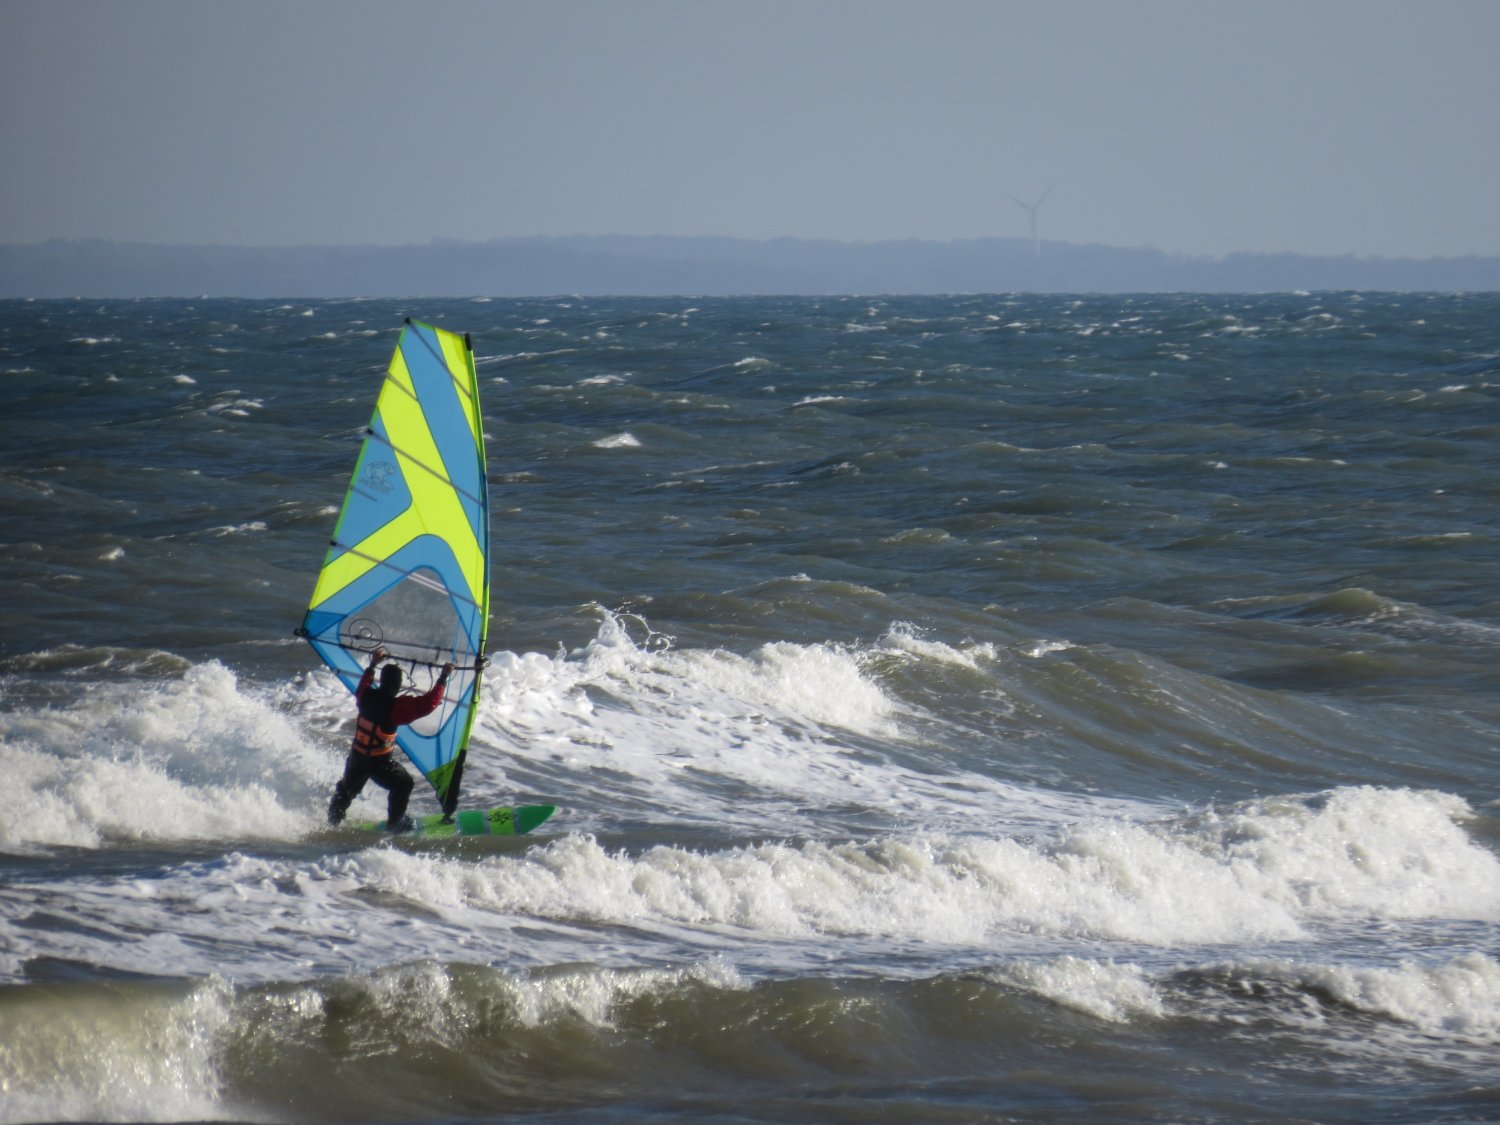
<point x="369" y="677"/>
<point x="410" y="708"/>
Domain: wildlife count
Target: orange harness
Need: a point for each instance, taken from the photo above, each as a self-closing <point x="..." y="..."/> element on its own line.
<point x="372" y="740"/>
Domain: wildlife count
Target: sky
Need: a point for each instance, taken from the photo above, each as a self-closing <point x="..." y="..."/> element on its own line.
<point x="1200" y="127"/>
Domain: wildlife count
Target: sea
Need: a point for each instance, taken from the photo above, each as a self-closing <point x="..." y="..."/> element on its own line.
<point x="995" y="708"/>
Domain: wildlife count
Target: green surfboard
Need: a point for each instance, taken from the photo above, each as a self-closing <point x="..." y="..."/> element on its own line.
<point x="473" y="822"/>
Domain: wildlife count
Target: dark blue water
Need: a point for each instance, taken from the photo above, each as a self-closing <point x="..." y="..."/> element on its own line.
<point x="975" y="708"/>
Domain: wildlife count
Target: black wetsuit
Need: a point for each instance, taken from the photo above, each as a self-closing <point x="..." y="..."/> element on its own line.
<point x="372" y="757"/>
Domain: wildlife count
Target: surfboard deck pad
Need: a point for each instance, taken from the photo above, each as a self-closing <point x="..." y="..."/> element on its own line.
<point x="506" y="821"/>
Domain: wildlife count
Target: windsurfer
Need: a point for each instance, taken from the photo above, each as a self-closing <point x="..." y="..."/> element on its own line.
<point x="371" y="757"/>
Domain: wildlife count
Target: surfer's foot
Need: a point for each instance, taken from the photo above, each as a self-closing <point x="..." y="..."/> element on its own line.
<point x="402" y="825"/>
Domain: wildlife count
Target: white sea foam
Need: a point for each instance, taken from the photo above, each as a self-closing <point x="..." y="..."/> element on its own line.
<point x="1036" y="650"/>
<point x="1164" y="885"/>
<point x="904" y="637"/>
<point x="1457" y="999"/>
<point x="818" y="400"/>
<point x="1103" y="989"/>
<point x="188" y="758"/>
<point x="109" y="1056"/>
<point x="1460" y="997"/>
<point x="1157" y="884"/>
<point x="688" y="730"/>
<point x="918" y="536"/>
<point x="673" y="722"/>
<point x="240" y="528"/>
<point x="618" y="441"/>
<point x="1359" y="852"/>
<point x="236" y="407"/>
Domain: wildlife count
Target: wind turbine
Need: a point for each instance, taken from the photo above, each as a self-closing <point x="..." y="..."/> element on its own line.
<point x="1030" y="208"/>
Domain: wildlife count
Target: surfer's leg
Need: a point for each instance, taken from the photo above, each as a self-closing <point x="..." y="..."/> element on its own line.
<point x="348" y="788"/>
<point x="399" y="783"/>
<point x="389" y="774"/>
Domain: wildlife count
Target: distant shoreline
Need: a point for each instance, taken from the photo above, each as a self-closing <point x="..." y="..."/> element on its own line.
<point x="619" y="265"/>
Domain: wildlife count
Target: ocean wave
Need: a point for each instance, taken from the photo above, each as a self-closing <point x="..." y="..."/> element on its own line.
<point x="1458" y="999"/>
<point x="395" y="1039"/>
<point x="185" y="758"/>
<point x="1266" y="872"/>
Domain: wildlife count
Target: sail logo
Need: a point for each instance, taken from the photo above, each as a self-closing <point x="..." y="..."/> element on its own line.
<point x="378" y="475"/>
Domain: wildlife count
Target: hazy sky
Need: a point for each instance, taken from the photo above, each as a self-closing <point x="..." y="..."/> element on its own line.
<point x="1196" y="126"/>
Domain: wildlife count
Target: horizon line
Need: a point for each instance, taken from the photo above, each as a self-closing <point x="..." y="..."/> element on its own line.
<point x="453" y="242"/>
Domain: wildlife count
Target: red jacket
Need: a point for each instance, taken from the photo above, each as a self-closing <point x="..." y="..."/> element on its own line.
<point x="376" y="739"/>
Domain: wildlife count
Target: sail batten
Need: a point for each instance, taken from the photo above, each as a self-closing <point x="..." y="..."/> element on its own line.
<point x="407" y="568"/>
<point x="413" y="576"/>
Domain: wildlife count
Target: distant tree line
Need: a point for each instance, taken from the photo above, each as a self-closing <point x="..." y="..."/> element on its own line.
<point x="671" y="266"/>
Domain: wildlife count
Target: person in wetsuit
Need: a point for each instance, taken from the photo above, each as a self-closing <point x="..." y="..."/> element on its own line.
<point x="372" y="757"/>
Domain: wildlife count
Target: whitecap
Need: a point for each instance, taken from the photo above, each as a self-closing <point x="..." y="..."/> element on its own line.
<point x="618" y="441"/>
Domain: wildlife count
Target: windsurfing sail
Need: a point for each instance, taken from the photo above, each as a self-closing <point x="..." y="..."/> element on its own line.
<point x="408" y="567"/>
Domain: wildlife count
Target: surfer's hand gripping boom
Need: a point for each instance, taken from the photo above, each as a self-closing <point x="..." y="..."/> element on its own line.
<point x="448" y="667"/>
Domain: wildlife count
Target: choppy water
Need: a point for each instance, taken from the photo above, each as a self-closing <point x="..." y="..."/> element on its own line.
<point x="970" y="709"/>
